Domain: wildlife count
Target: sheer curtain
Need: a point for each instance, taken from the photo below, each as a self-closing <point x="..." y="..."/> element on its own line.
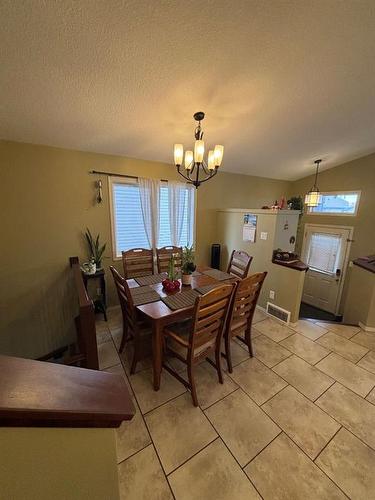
<point x="178" y="205"/>
<point x="149" y="192"/>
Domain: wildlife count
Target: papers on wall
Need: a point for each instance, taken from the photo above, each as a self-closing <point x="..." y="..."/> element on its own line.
<point x="249" y="228"/>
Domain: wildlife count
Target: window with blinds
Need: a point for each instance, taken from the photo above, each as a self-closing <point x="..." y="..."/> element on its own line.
<point x="129" y="231"/>
<point x="128" y="226"/>
<point x="324" y="250"/>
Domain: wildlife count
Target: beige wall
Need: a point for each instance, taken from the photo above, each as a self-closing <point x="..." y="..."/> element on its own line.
<point x="59" y="464"/>
<point x="286" y="283"/>
<point x="360" y="298"/>
<point x="355" y="175"/>
<point x="232" y="191"/>
<point x="48" y="200"/>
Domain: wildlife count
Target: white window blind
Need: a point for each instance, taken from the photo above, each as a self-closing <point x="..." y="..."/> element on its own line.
<point x="129" y="229"/>
<point x="324" y="252"/>
<point x="128" y="223"/>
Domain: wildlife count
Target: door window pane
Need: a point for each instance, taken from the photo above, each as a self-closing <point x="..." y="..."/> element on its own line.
<point x="323" y="252"/>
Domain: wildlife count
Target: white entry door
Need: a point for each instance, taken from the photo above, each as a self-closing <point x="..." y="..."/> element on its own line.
<point x="325" y="251"/>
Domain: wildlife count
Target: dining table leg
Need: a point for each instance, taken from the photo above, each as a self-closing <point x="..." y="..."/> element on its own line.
<point x="157" y="353"/>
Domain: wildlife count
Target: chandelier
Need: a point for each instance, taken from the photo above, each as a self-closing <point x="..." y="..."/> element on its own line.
<point x="313" y="197"/>
<point x="195" y="168"/>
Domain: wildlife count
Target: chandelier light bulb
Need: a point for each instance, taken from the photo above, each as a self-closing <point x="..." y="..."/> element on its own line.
<point x="219" y="151"/>
<point x="178" y="154"/>
<point x="198" y="151"/>
<point x="211" y="160"/>
<point x="189" y="158"/>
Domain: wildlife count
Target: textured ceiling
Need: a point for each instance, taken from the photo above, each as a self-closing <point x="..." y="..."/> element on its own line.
<point x="281" y="82"/>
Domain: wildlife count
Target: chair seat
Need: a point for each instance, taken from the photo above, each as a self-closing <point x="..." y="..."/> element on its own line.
<point x="177" y="336"/>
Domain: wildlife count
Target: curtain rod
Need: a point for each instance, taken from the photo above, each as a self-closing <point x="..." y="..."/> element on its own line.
<point x="111" y="174"/>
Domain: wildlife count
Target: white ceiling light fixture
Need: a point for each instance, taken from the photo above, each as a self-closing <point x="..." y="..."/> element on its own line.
<point x="196" y="170"/>
<point x="313" y="197"/>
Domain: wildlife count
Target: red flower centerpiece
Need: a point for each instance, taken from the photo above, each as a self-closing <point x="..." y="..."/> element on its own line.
<point x="171" y="284"/>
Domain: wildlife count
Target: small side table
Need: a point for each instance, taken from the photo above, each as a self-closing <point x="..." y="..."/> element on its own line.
<point x="101" y="302"/>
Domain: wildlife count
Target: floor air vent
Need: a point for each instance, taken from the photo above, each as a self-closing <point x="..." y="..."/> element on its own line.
<point x="278" y="312"/>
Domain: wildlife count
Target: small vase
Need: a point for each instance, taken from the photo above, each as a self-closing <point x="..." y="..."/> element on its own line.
<point x="186" y="279"/>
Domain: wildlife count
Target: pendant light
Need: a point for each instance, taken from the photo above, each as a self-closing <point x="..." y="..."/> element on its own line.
<point x="313" y="197"/>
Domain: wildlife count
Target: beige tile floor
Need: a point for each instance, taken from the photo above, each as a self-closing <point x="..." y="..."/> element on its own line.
<point x="296" y="421"/>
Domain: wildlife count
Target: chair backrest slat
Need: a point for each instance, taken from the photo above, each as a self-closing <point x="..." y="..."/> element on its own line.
<point x="164" y="255"/>
<point x="239" y="264"/>
<point x="245" y="300"/>
<point x="125" y="298"/>
<point x="137" y="262"/>
<point x="209" y="316"/>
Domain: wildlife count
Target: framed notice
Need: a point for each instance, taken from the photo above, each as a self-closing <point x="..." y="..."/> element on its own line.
<point x="249" y="227"/>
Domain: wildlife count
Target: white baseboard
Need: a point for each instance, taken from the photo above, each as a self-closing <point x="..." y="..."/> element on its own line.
<point x="366" y="328"/>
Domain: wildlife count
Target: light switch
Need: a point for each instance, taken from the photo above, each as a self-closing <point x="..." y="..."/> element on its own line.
<point x="263" y="236"/>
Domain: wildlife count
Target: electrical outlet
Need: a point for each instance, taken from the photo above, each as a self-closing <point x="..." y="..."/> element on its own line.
<point x="272" y="294"/>
<point x="263" y="236"/>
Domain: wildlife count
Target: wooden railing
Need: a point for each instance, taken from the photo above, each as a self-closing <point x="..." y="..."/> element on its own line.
<point x="35" y="393"/>
<point x="85" y="321"/>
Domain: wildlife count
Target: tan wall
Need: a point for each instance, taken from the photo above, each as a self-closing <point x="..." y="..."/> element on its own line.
<point x="360" y="297"/>
<point x="355" y="175"/>
<point x="59" y="464"/>
<point x="286" y="283"/>
<point x="48" y="200"/>
<point x="232" y="191"/>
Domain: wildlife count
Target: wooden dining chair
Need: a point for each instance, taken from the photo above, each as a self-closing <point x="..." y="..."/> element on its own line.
<point x="239" y="264"/>
<point x="241" y="313"/>
<point x="193" y="340"/>
<point x="132" y="327"/>
<point x="137" y="262"/>
<point x="163" y="256"/>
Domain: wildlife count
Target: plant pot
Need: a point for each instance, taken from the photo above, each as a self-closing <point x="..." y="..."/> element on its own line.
<point x="186" y="279"/>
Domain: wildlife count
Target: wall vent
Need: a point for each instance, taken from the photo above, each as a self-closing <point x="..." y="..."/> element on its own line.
<point x="278" y="312"/>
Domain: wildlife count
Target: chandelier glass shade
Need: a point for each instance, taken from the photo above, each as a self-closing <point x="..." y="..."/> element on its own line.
<point x="313" y="197"/>
<point x="193" y="166"/>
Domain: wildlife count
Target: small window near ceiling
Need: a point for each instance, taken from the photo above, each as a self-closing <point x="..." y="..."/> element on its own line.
<point x="337" y="203"/>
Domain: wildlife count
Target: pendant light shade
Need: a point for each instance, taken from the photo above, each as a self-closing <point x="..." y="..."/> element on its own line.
<point x="313" y="197"/>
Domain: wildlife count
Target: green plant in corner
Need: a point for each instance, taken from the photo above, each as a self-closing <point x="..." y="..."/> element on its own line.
<point x="95" y="249"/>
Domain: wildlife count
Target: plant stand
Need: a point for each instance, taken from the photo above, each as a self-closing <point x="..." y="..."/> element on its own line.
<point x="101" y="302"/>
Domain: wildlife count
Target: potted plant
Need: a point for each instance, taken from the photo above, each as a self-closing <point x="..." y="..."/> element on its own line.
<point x="188" y="265"/>
<point x="95" y="249"/>
<point x="171" y="283"/>
<point x="296" y="203"/>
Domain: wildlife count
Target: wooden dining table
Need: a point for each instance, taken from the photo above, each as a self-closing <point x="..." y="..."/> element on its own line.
<point x="159" y="315"/>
